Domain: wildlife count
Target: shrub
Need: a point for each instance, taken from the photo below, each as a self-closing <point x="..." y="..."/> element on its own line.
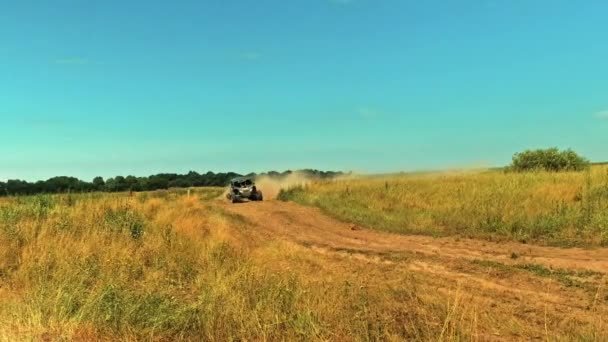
<point x="550" y="159"/>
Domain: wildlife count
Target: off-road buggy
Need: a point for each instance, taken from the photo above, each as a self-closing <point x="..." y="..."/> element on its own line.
<point x="243" y="189"/>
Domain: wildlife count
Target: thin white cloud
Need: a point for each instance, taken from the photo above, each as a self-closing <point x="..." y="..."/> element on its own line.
<point x="251" y="55"/>
<point x="603" y="115"/>
<point x="72" y="61"/>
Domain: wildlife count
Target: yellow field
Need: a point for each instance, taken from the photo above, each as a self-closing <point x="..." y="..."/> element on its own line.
<point x="110" y="266"/>
<point x="563" y="209"/>
<point x="168" y="266"/>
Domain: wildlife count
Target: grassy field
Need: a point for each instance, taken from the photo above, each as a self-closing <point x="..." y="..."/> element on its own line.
<point x="165" y="266"/>
<point x="563" y="209"/>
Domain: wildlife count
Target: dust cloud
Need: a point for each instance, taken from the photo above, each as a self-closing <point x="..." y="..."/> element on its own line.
<point x="270" y="186"/>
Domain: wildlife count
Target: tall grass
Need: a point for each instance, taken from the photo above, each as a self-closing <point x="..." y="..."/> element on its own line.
<point x="165" y="266"/>
<point x="568" y="208"/>
<point x="111" y="266"/>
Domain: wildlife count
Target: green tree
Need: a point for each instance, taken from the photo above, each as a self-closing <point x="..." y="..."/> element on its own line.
<point x="132" y="183"/>
<point x="157" y="182"/>
<point x="63" y="184"/>
<point x="121" y="183"/>
<point x="551" y="159"/>
<point x="98" y="183"/>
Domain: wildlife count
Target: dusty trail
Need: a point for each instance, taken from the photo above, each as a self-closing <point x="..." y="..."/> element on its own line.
<point x="449" y="265"/>
<point x="310" y="227"/>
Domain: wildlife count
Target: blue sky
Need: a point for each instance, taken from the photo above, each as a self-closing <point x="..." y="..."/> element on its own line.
<point x="138" y="87"/>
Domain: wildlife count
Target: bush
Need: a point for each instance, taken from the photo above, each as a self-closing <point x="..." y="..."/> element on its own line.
<point x="550" y="159"/>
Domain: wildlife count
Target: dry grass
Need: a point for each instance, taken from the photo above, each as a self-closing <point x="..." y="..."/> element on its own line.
<point x="546" y="208"/>
<point x="164" y="266"/>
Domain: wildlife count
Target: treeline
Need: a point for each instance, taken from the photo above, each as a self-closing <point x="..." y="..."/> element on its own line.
<point x="64" y="184"/>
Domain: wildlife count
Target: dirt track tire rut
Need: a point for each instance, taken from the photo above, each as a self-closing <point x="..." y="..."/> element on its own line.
<point x="309" y="226"/>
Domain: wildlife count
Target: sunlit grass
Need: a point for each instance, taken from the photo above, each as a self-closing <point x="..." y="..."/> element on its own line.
<point x="171" y="266"/>
<point x="165" y="266"/>
<point x="111" y="265"/>
<point x="549" y="208"/>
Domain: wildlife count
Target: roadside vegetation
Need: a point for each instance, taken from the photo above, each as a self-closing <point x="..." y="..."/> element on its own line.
<point x="556" y="208"/>
<point x="168" y="266"/>
<point x="176" y="265"/>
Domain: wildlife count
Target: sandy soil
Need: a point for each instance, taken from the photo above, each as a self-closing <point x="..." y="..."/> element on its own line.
<point x="309" y="226"/>
<point x="449" y="263"/>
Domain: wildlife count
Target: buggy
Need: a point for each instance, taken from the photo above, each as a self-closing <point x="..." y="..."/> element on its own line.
<point x="243" y="189"/>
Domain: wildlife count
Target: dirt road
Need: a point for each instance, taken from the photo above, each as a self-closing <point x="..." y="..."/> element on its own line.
<point x="507" y="279"/>
<point x="310" y="227"/>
